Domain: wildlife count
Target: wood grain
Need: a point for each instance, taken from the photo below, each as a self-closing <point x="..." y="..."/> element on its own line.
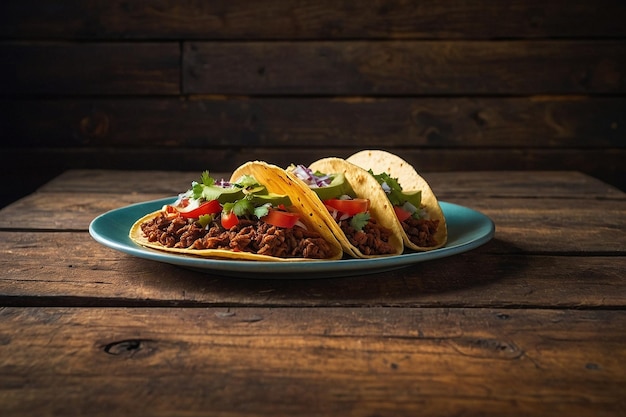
<point x="318" y="68"/>
<point x="404" y="67"/>
<point x="389" y="361"/>
<point x="391" y="75"/>
<point x="86" y="273"/>
<point x="311" y="19"/>
<point x="80" y="68"/>
<point x="605" y="164"/>
<point x="216" y="122"/>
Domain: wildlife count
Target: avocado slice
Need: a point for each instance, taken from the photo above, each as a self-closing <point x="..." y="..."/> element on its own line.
<point x="214" y="192"/>
<point x="338" y="186"/>
<point x="228" y="195"/>
<point x="272" y="198"/>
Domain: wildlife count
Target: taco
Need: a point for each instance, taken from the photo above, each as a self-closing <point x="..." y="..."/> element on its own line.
<point x="353" y="206"/>
<point x="254" y="216"/>
<point x="422" y="223"/>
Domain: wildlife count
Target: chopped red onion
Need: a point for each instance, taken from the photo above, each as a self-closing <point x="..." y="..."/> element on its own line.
<point x="223" y="183"/>
<point x="307" y="175"/>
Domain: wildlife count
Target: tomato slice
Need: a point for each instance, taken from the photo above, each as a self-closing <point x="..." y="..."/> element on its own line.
<point x="349" y="207"/>
<point x="280" y="218"/>
<point x="208" y="207"/>
<point x="229" y="220"/>
<point x="401" y="213"/>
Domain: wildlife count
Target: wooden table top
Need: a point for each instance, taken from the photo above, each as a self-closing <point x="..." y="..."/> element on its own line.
<point x="531" y="323"/>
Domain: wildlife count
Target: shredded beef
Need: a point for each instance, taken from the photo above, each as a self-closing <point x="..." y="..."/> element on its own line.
<point x="248" y="236"/>
<point x="372" y="240"/>
<point x="420" y="231"/>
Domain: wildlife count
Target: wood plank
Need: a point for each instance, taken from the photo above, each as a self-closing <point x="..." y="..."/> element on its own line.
<point x="67" y="211"/>
<point x="345" y="361"/>
<point x="604" y="164"/>
<point x="404" y="67"/>
<point x="82" y="68"/>
<point x="80" y="272"/>
<point x="311" y="19"/>
<point x="538" y="121"/>
<point x="555" y="184"/>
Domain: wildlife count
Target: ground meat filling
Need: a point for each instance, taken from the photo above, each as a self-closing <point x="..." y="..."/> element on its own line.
<point x="372" y="240"/>
<point x="248" y="236"/>
<point x="420" y="231"/>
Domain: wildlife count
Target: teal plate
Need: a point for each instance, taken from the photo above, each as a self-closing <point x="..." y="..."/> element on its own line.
<point x="467" y="230"/>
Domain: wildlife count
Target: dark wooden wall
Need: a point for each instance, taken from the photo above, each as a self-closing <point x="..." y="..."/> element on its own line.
<point x="193" y="85"/>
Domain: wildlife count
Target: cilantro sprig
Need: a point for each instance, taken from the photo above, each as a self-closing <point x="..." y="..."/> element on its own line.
<point x="359" y="220"/>
<point x="394" y="190"/>
<point x="205" y="189"/>
<point x="241" y="207"/>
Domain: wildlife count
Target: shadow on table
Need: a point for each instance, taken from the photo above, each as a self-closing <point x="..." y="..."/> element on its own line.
<point x="426" y="283"/>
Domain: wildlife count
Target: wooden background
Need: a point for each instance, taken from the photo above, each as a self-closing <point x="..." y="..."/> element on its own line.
<point x="193" y="85"/>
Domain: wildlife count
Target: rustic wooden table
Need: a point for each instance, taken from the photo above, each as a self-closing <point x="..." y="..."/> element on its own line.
<point x="532" y="323"/>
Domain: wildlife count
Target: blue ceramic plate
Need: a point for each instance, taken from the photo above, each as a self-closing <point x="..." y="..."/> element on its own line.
<point x="467" y="229"/>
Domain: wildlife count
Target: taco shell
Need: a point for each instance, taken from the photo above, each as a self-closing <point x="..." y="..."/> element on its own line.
<point x="365" y="186"/>
<point x="274" y="179"/>
<point x="382" y="161"/>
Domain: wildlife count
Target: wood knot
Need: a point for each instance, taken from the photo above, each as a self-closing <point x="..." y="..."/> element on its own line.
<point x="131" y="348"/>
<point x="479" y="118"/>
<point x="486" y="348"/>
<point x="95" y="125"/>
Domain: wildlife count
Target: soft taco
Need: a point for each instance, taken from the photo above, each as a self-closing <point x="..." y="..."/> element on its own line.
<point x="422" y="222"/>
<point x="255" y="215"/>
<point x="353" y="206"/>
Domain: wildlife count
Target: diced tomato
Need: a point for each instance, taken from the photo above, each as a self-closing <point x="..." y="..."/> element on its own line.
<point x="349" y="207"/>
<point x="170" y="209"/>
<point x="183" y="203"/>
<point x="229" y="220"/>
<point x="208" y="207"/>
<point x="280" y="218"/>
<point x="401" y="213"/>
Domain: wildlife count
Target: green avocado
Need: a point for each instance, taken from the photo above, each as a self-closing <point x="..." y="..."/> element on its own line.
<point x="214" y="192"/>
<point x="228" y="195"/>
<point x="338" y="186"/>
<point x="256" y="189"/>
<point x="273" y="199"/>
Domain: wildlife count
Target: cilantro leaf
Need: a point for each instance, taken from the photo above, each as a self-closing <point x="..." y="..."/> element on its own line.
<point x="198" y="188"/>
<point x="359" y="221"/>
<point x="207" y="179"/>
<point x="241" y="208"/>
<point x="227" y="207"/>
<point x="206" y="192"/>
<point x="394" y="192"/>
